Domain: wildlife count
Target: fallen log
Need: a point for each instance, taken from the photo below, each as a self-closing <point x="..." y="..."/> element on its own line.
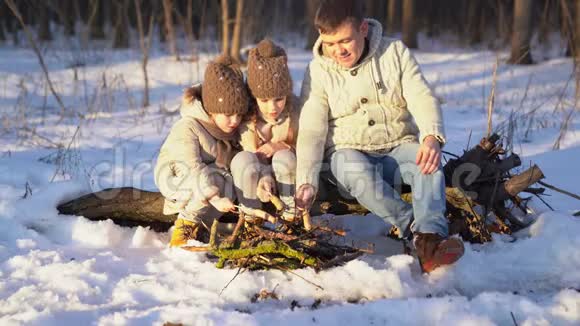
<point x="125" y="206"/>
<point x="130" y="207"/>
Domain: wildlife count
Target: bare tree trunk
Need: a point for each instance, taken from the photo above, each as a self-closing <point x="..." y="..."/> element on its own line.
<point x="474" y="13"/>
<point x="66" y="15"/>
<point x="96" y="21"/>
<point x="522" y="32"/>
<point x="393" y="16"/>
<point x="567" y="26"/>
<point x="3" y="21"/>
<point x="576" y="52"/>
<point x="503" y="25"/>
<point x="160" y="21"/>
<point x="44" y="33"/>
<point x="371" y="9"/>
<point x="187" y="26"/>
<point x="202" y="19"/>
<point x="121" y="27"/>
<point x="311" y="7"/>
<point x="544" y="26"/>
<point x="409" y="24"/>
<point x="236" y="43"/>
<point x="145" y="42"/>
<point x="225" y="27"/>
<point x="576" y="38"/>
<point x="254" y="29"/>
<point x="571" y="31"/>
<point x="13" y="30"/>
<point x="429" y="10"/>
<point x="169" y="29"/>
<point x="10" y="22"/>
<point x="2" y="33"/>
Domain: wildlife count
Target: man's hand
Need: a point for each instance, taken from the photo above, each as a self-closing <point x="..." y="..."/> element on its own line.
<point x="305" y="196"/>
<point x="266" y="187"/>
<point x="222" y="204"/>
<point x="429" y="155"/>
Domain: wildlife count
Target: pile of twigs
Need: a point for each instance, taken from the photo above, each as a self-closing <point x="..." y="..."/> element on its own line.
<point x="263" y="241"/>
<point x="482" y="185"/>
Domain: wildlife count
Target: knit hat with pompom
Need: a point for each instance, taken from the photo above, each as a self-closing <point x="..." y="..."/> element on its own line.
<point x="268" y="74"/>
<point x="223" y="89"/>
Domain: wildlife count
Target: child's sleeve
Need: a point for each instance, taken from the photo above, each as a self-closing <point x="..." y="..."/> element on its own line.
<point x="186" y="174"/>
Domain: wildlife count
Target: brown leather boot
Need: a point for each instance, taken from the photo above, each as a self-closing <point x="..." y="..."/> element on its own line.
<point x="433" y="250"/>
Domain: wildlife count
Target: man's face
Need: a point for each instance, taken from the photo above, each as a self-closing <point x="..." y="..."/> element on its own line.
<point x="346" y="44"/>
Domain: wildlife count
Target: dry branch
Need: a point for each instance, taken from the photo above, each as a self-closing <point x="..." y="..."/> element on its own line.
<point x="12" y="6"/>
<point x="491" y="99"/>
<point x="145" y="43"/>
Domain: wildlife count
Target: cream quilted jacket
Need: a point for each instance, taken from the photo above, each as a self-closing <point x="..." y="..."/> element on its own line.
<point x="185" y="162"/>
<point x="380" y="103"/>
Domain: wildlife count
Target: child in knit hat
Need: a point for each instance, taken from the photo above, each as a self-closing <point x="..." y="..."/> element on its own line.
<point x="268" y="134"/>
<point x="193" y="163"/>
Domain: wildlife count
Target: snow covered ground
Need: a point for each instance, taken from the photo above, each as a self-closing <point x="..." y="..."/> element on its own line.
<point x="60" y="270"/>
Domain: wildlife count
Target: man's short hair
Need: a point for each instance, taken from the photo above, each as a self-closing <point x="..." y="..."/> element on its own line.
<point x="333" y="13"/>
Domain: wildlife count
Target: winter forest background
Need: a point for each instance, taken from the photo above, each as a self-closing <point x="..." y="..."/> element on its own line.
<point x="491" y="23"/>
<point x="90" y="89"/>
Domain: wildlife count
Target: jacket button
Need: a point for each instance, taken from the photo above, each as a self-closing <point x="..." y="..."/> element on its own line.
<point x="353" y="72"/>
<point x="371" y="123"/>
<point x="364" y="100"/>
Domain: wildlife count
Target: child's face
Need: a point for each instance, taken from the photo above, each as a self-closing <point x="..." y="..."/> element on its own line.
<point x="271" y="108"/>
<point x="227" y="123"/>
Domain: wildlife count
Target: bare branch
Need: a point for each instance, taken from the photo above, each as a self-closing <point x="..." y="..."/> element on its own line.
<point x="491" y="99"/>
<point x="145" y="43"/>
<point x="12" y="6"/>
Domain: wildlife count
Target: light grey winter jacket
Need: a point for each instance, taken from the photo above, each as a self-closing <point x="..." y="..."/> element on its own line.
<point x="185" y="162"/>
<point x="380" y="103"/>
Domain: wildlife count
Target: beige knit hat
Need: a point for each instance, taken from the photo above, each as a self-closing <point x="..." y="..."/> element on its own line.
<point x="223" y="89"/>
<point x="268" y="74"/>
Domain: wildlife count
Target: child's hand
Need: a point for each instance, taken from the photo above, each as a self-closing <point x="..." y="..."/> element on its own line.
<point x="266" y="187"/>
<point x="222" y="204"/>
<point x="269" y="149"/>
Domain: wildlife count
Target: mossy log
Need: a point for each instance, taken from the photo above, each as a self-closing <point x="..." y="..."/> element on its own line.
<point x="268" y="247"/>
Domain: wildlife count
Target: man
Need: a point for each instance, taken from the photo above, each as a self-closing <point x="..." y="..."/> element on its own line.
<point x="368" y="106"/>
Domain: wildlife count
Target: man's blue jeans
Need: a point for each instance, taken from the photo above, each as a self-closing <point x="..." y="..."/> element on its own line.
<point x="375" y="181"/>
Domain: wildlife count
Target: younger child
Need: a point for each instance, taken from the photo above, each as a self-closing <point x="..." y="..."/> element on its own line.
<point x="193" y="163"/>
<point x="268" y="135"/>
